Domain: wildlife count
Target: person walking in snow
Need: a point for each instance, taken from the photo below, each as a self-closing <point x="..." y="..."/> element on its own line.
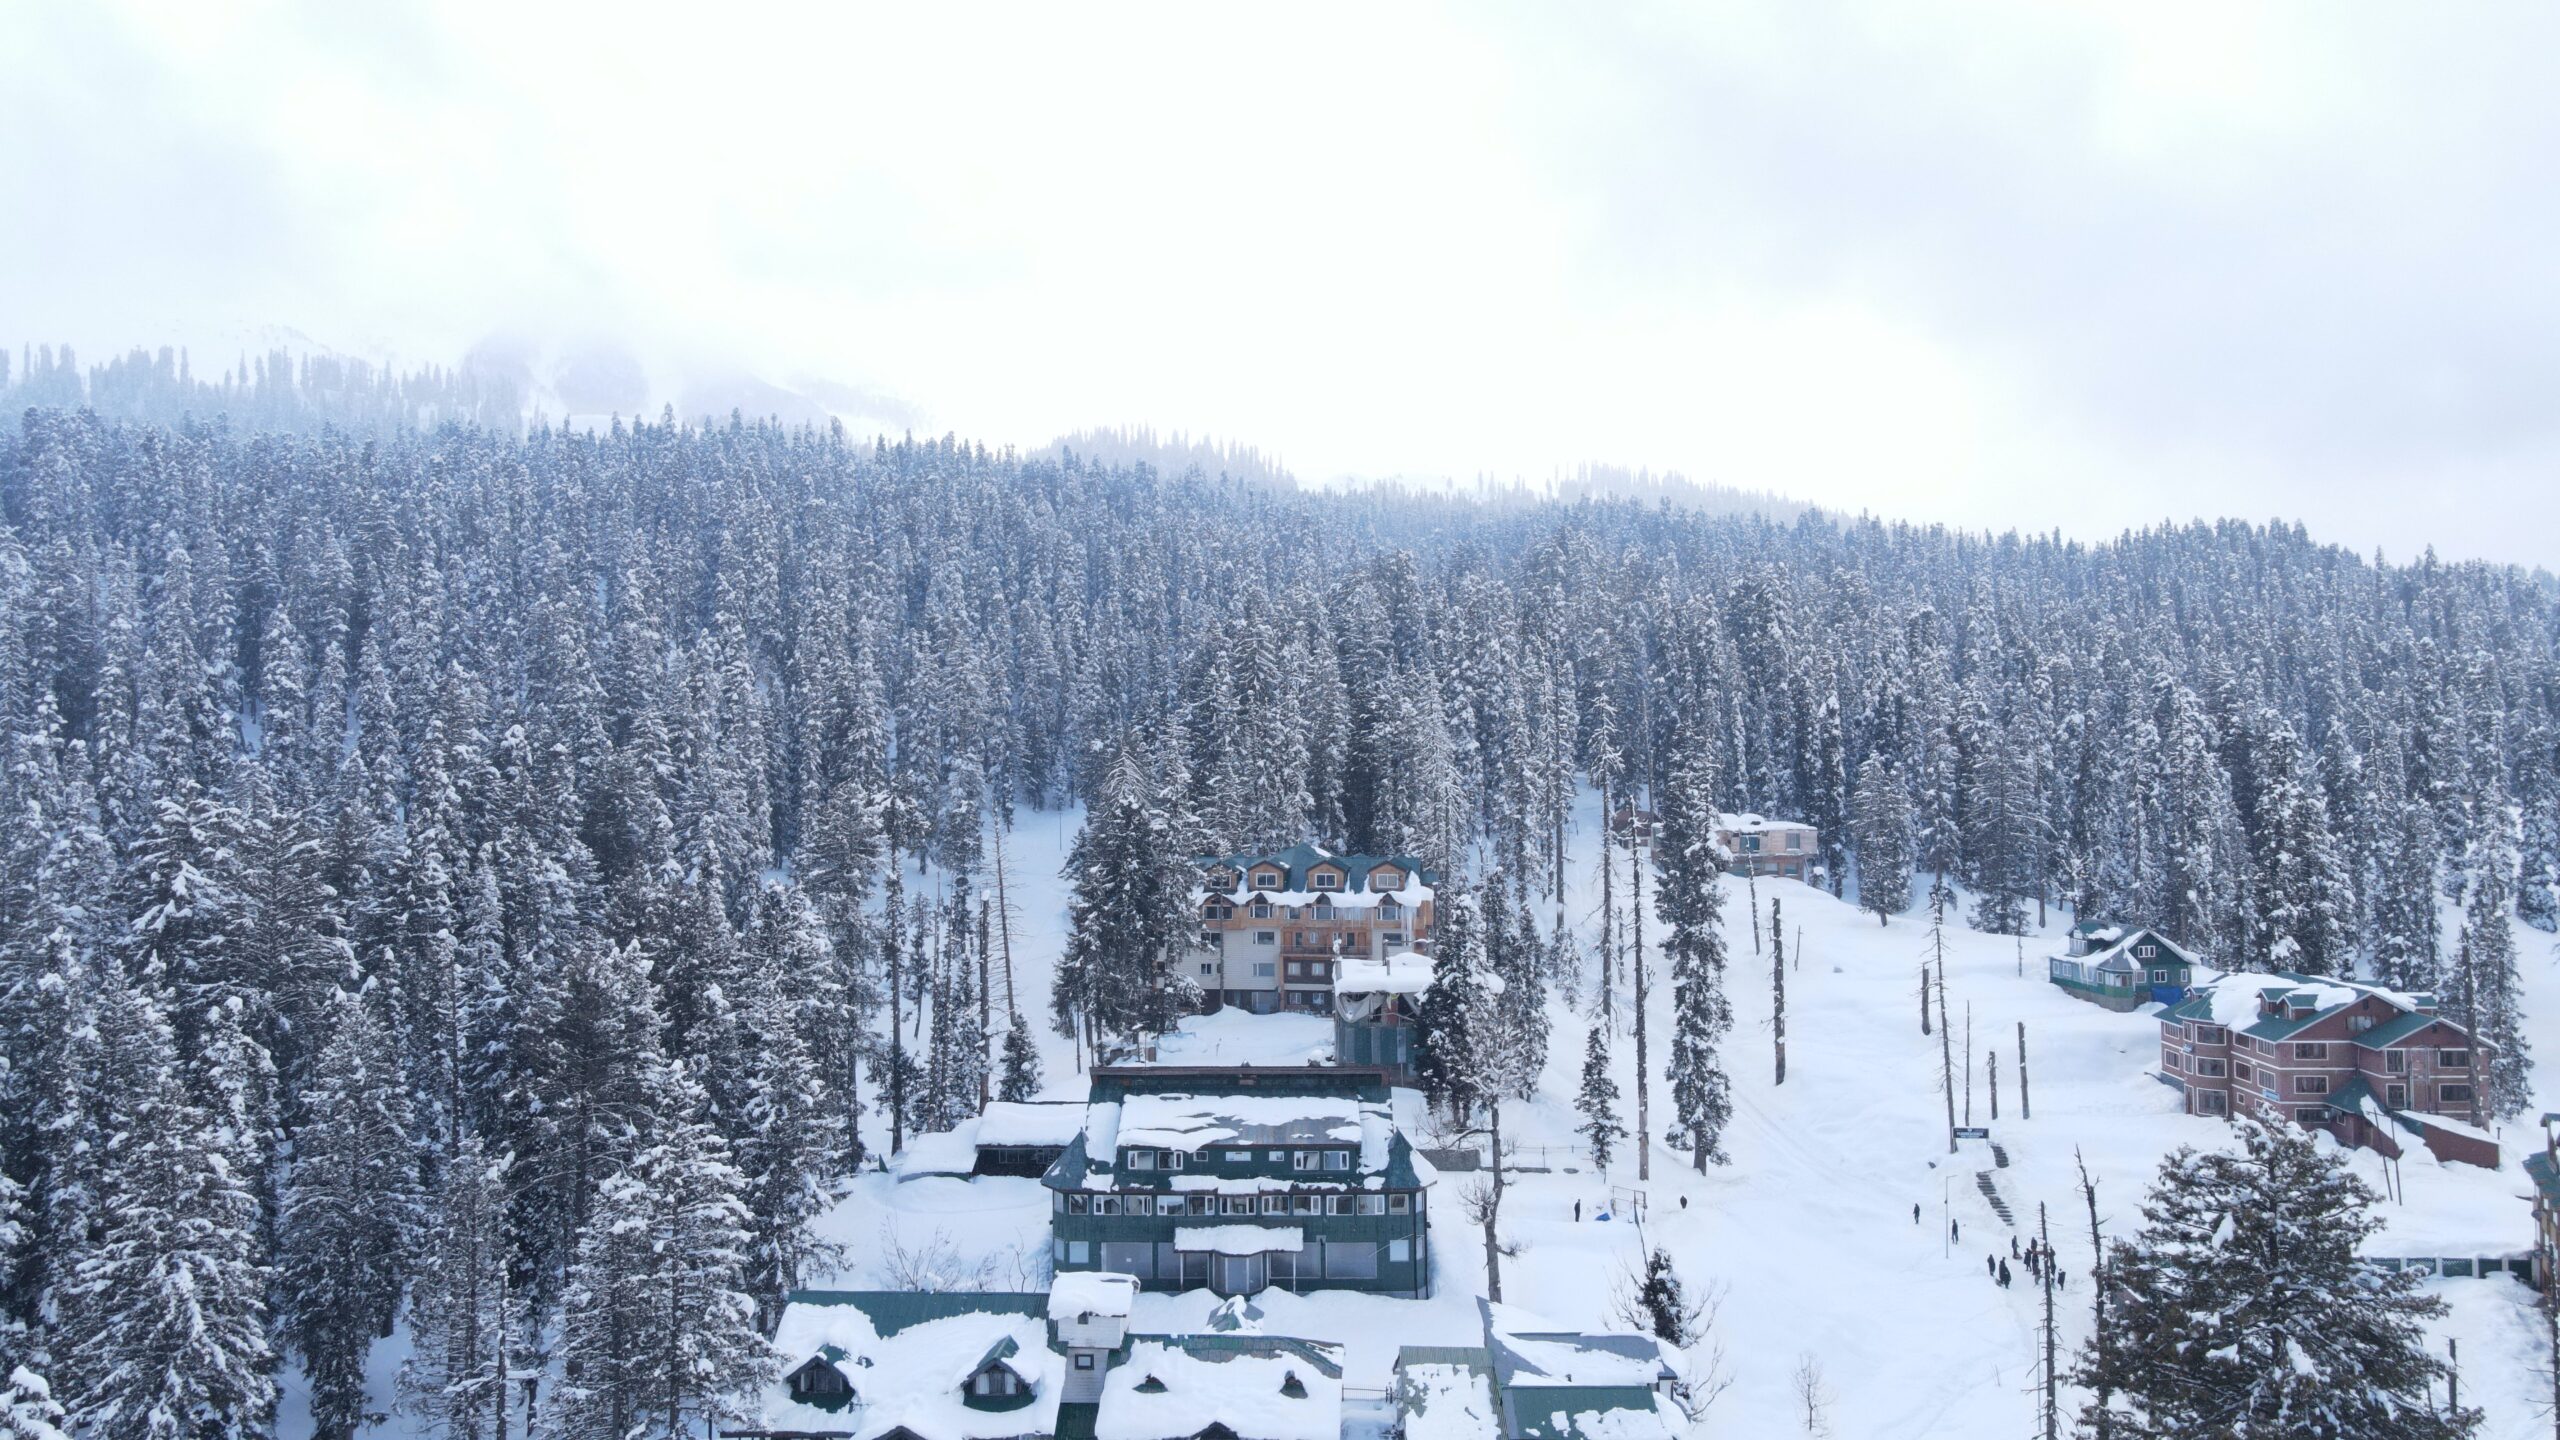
<point x="2013" y="1247"/>
<point x="1991" y="1267"/>
<point x="1577" y="1212"/>
<point x="2004" y="1275"/>
<point x="1915" y="1212"/>
<point x="1955" y="1231"/>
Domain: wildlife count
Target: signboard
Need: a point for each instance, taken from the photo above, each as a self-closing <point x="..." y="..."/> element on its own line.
<point x="1973" y="1132"/>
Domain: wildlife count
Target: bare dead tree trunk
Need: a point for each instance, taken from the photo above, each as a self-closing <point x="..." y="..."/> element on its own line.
<point x="1004" y="930"/>
<point x="1991" y="1069"/>
<point x="2052" y="1402"/>
<point x="1946" y="1057"/>
<point x="1644" y="1071"/>
<point x="2104" y="1418"/>
<point x="2026" y="1108"/>
<point x="1778" y="988"/>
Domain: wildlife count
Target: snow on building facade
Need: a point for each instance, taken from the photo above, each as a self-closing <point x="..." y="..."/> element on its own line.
<point x="1238" y="1178"/>
<point x="1375" y="1003"/>
<point x="1274" y="926"/>
<point x="1531" y="1382"/>
<point x="2121" y="968"/>
<point x="1788" y="849"/>
<point x="2372" y="1067"/>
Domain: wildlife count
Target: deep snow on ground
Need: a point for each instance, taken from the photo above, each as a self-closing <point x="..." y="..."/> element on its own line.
<point x="1807" y="1236"/>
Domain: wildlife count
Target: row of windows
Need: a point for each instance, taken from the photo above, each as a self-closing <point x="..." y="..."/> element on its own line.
<point x="1320" y="1260"/>
<point x="1297" y="1203"/>
<point x="1303" y="939"/>
<point x="1137" y="1158"/>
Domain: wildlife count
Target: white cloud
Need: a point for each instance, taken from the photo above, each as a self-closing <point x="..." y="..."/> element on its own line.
<point x="1988" y="262"/>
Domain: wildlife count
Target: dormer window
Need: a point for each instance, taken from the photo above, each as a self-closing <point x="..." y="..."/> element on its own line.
<point x="1341" y="1159"/>
<point x="1292" y="1386"/>
<point x="819" y="1380"/>
<point x="1325" y="880"/>
<point x="1266" y="879"/>
<point x="1386" y="878"/>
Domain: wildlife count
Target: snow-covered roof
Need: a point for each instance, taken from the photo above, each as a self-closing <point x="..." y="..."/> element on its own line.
<point x="950" y="1152"/>
<point x="1171" y="1388"/>
<point x="1445" y="1397"/>
<point x="1195" y="1122"/>
<point x="1239" y="1239"/>
<point x="1091" y="1292"/>
<point x="1011" y="1122"/>
<point x="1746" y="823"/>
<point x="1530" y="1352"/>
<point x="1403" y="973"/>
<point x="908" y="1357"/>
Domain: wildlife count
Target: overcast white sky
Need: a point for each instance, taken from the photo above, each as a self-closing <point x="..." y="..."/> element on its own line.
<point x="1997" y="264"/>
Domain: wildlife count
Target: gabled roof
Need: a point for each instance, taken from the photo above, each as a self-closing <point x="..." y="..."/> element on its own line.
<point x="2118" y="955"/>
<point x="2396" y="1029"/>
<point x="2545" y="1175"/>
<point x="1297" y="860"/>
<point x="1256" y="1387"/>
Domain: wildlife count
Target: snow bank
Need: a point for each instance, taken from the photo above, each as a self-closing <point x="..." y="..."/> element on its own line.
<point x="1403" y="973"/>
<point x="1008" y="1122"/>
<point x="1164" y="1390"/>
<point x="1239" y="1239"/>
<point x="1196" y="1122"/>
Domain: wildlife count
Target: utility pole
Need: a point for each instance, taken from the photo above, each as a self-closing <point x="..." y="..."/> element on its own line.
<point x="2026" y="1111"/>
<point x="1991" y="1067"/>
<point x="1778" y="987"/>
<point x="2052" y="1408"/>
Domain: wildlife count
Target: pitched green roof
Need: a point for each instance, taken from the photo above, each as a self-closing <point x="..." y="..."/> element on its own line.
<point x="2546" y="1176"/>
<point x="1297" y="860"/>
<point x="2395" y="1030"/>
<point x="894" y="1310"/>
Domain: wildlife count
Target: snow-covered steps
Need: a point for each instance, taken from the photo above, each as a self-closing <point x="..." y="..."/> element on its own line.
<point x="1991" y="1194"/>
<point x="1999" y="1155"/>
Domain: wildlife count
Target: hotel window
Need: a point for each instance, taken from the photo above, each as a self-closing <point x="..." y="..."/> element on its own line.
<point x="1795" y="841"/>
<point x="1399" y="1250"/>
<point x="2212" y="1035"/>
<point x="2311" y="1050"/>
<point x="2453" y="1060"/>
<point x="2395" y="1062"/>
<point x="1373" y="1204"/>
<point x="2174" y="1061"/>
<point x="1310" y="1204"/>
<point x="1266" y="937"/>
<point x="2396" y="1096"/>
<point x="1326" y="882"/>
<point x="1106" y="1204"/>
<point x="1176" y="1159"/>
<point x="2240" y="1069"/>
<point x="1239" y="1157"/>
<point x="2358" y="1024"/>
<point x="2310" y="1084"/>
<point x="1337" y="1159"/>
<point x="1266" y="879"/>
<point x="1275" y="1204"/>
<point x="1208" y="968"/>
<point x="2453" y="1094"/>
<point x="1239" y="1204"/>
<point x="1144" y="1204"/>
<point x="1262" y="911"/>
<point x="1399" y="1204"/>
<point x="1263" y="969"/>
<point x="1142" y="1159"/>
<point x="2159" y="977"/>
<point x="2210" y="1069"/>
<point x="2310" y="1115"/>
<point x="1392" y="937"/>
<point x="1337" y="1204"/>
<point x="1303" y="1160"/>
<point x="1076" y="1204"/>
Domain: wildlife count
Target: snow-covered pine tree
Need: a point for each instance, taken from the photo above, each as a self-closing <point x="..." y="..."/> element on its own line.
<point x="1882" y="822"/>
<point x="162" y="1322"/>
<point x="455" y="1380"/>
<point x="1690" y="901"/>
<point x="1021" y="1078"/>
<point x="28" y="1410"/>
<point x="2244" y="1307"/>
<point x="1129" y="905"/>
<point x="1598" y="1099"/>
<point x="1457" y="993"/>
<point x="351" y="1215"/>
<point x="658" y="1333"/>
<point x="2483" y="988"/>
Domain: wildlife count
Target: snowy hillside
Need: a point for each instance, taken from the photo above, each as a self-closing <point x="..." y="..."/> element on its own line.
<point x="1808" y="1235"/>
